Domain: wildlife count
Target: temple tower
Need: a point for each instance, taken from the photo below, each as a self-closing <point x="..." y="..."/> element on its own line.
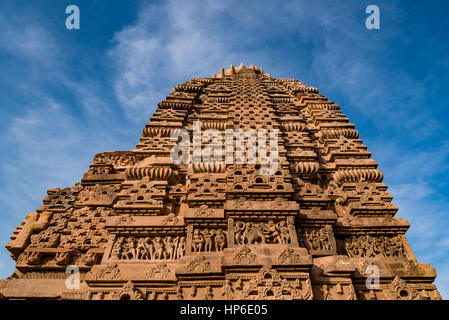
<point x="139" y="225"/>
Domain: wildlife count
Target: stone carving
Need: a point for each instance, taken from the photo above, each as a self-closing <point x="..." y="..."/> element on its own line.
<point x="60" y="200"/>
<point x="146" y="248"/>
<point x="100" y="195"/>
<point x="202" y="230"/>
<point x="34" y="222"/>
<point x="244" y="255"/>
<point x="246" y="180"/>
<point x="101" y="169"/>
<point x="208" y="240"/>
<point x="206" y="187"/>
<point x="228" y="291"/>
<point x="140" y="195"/>
<point x="90" y="258"/>
<point x="130" y="292"/>
<point x="158" y="272"/>
<point x="108" y="272"/>
<point x="289" y="256"/>
<point x="315" y="239"/>
<point x="115" y="158"/>
<point x="124" y="220"/>
<point x="171" y="219"/>
<point x="33" y="257"/>
<point x="87" y="229"/>
<point x="399" y="290"/>
<point x="203" y="211"/>
<point x="199" y="264"/>
<point x="62" y="258"/>
<point x="261" y="233"/>
<point x="270" y="285"/>
<point x="358" y="175"/>
<point x="370" y="247"/>
<point x="366" y="199"/>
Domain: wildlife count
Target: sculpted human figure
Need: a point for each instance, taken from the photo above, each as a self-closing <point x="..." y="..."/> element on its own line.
<point x="368" y="245"/>
<point x="360" y="246"/>
<point x="284" y="235"/>
<point x="349" y="245"/>
<point x="130" y="252"/>
<point x="141" y="250"/>
<point x="158" y="248"/>
<point x="304" y="236"/>
<point x="386" y="244"/>
<point x="270" y="231"/>
<point x="227" y="289"/>
<point x="285" y="286"/>
<point x="324" y="239"/>
<point x="150" y="248"/>
<point x="209" y="293"/>
<point x="315" y="240"/>
<point x="117" y="248"/>
<point x="389" y="247"/>
<point x="208" y="234"/>
<point x="220" y="240"/>
<point x="169" y="246"/>
<point x="326" y="294"/>
<point x="197" y="241"/>
<point x="398" y="247"/>
<point x="181" y="247"/>
<point x="246" y="229"/>
<point x="357" y="247"/>
<point x="239" y="226"/>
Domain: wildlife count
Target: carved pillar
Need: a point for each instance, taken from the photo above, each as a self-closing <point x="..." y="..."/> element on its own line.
<point x="107" y="252"/>
<point x="292" y="231"/>
<point x="231" y="239"/>
<point x="189" y="239"/>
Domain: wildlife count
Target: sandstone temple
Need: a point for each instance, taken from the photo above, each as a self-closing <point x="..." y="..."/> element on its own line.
<point x="141" y="227"/>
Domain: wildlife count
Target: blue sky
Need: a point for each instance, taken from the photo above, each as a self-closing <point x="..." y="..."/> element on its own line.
<point x="68" y="94"/>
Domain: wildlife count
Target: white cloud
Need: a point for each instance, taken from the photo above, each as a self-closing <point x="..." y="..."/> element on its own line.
<point x="410" y="191"/>
<point x="410" y="176"/>
<point x="29" y="40"/>
<point x="168" y="44"/>
<point x="46" y="141"/>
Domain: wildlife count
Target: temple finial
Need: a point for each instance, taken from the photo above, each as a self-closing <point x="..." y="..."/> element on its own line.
<point x="234" y="70"/>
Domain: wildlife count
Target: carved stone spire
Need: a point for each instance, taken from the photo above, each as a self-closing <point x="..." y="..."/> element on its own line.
<point x="274" y="196"/>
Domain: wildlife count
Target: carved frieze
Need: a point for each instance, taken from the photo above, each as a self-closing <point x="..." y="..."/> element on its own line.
<point x="148" y="248"/>
<point x="261" y="232"/>
<point x="367" y="246"/>
<point x="209" y="240"/>
<point x="319" y="241"/>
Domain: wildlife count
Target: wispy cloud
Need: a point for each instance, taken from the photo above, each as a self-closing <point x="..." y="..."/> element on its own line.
<point x="54" y="125"/>
<point x="169" y="43"/>
<point x="413" y="176"/>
